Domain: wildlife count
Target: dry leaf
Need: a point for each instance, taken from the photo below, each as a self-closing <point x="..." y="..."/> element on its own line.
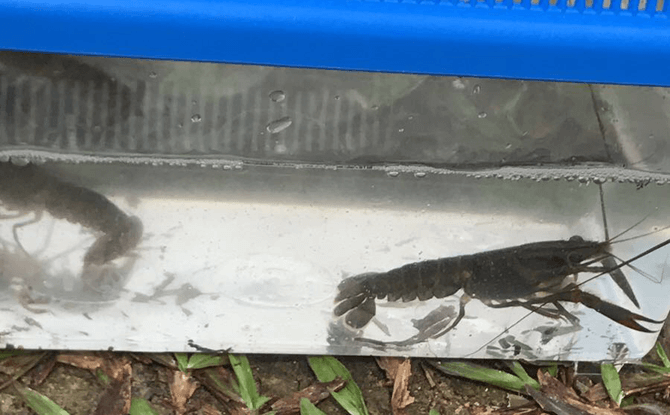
<point x="42" y="369"/>
<point x="182" y="387"/>
<point x="116" y="398"/>
<point x="390" y="366"/>
<point x="208" y="409"/>
<point x="81" y="360"/>
<point x="401" y="397"/>
<point x="315" y="393"/>
<point x="558" y="392"/>
<point x="398" y="371"/>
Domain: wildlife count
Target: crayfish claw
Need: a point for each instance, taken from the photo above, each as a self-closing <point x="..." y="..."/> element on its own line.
<point x="620" y="279"/>
<point x="614" y="312"/>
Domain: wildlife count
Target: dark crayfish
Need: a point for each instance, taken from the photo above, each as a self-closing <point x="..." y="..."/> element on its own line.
<point x="30" y="188"/>
<point x="528" y="276"/>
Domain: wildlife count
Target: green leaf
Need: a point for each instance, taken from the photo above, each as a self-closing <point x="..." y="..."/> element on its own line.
<point x="433" y="411"/>
<point x="327" y="368"/>
<point x="483" y="374"/>
<point x="627" y="401"/>
<point x="553" y="370"/>
<point x="661" y="354"/>
<point x="139" y="406"/>
<point x="308" y="408"/>
<point x="245" y="378"/>
<point x="102" y="377"/>
<point x="612" y="382"/>
<point x="201" y="360"/>
<point x="521" y="374"/>
<point x="662" y="370"/>
<point x="182" y="361"/>
<point x="9" y="353"/>
<point x="38" y="402"/>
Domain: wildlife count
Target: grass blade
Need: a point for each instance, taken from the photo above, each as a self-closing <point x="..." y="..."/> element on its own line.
<point x="612" y="382"/>
<point x="327" y="368"/>
<point x="182" y="361"/>
<point x="661" y="354"/>
<point x="38" y="402"/>
<point x="245" y="378"/>
<point x="520" y="372"/>
<point x="308" y="408"/>
<point x="139" y="406"/>
<point x="483" y="374"/>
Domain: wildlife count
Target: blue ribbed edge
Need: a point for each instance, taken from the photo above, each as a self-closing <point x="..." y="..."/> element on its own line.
<point x="570" y="40"/>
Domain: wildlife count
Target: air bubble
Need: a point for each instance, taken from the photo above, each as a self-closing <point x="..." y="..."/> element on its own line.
<point x="277" y="126"/>
<point x="277" y="96"/>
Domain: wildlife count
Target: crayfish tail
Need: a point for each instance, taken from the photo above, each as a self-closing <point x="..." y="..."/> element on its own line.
<point x="115" y="244"/>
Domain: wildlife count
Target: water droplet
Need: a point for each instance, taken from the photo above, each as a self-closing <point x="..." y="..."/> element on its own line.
<point x="280" y="148"/>
<point x="277" y="96"/>
<point x="458" y="84"/>
<point x="153" y="75"/>
<point x="476" y="89"/>
<point x="411" y="117"/>
<point x="196" y="118"/>
<point x="277" y="126"/>
<point x="482" y="115"/>
<point x="20" y="161"/>
<point x="420" y="174"/>
<point x="401" y="130"/>
<point x="393" y="174"/>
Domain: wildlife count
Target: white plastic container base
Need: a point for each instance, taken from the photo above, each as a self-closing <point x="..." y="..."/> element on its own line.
<point x="249" y="259"/>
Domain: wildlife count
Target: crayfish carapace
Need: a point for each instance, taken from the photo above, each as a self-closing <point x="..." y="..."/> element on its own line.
<point x="529" y="276"/>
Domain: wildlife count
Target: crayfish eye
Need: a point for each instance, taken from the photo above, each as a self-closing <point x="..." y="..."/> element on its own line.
<point x="576" y="238"/>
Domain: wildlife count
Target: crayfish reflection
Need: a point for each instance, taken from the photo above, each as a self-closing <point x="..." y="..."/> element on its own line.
<point x="538" y="276"/>
<point x="94" y="277"/>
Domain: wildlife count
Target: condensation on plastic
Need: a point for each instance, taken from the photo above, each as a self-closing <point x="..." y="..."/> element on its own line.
<point x="211" y="112"/>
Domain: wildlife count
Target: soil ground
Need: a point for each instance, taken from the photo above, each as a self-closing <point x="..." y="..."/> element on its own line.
<point x="79" y="391"/>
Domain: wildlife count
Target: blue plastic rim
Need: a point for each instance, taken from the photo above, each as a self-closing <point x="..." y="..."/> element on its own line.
<point x="611" y="41"/>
